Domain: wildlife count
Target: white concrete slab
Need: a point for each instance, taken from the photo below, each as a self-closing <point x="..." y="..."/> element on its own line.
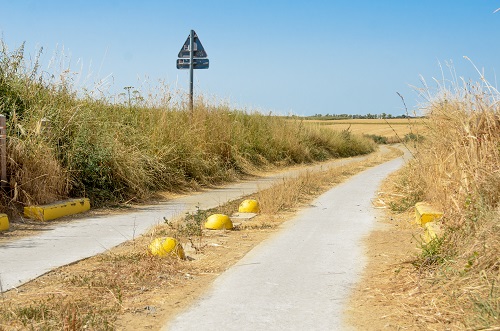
<point x="238" y="217"/>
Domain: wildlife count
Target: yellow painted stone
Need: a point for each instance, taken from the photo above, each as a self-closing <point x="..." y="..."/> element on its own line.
<point x="4" y="222"/>
<point x="425" y="213"/>
<point x="166" y="246"/>
<point x="57" y="209"/>
<point x="249" y="206"/>
<point x="218" y="222"/>
<point x="432" y="231"/>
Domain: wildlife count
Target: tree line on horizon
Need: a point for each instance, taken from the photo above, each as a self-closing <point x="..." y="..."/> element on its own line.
<point x="356" y="116"/>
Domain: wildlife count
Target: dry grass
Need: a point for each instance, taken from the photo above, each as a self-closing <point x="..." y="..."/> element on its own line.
<point x="394" y="130"/>
<point x="112" y="151"/>
<point x="457" y="169"/>
<point x="90" y="298"/>
<point x="126" y="285"/>
<point x="35" y="174"/>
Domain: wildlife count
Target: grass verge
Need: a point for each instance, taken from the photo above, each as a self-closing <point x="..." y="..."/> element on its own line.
<point x="455" y="282"/>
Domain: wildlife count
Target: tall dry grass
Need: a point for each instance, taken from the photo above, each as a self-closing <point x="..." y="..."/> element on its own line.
<point x="66" y="142"/>
<point x="457" y="169"/>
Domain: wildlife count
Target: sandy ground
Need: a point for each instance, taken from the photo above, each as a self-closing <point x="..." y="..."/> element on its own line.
<point x="375" y="303"/>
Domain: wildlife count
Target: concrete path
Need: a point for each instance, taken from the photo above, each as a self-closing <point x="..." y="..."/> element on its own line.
<point x="300" y="278"/>
<point x="28" y="258"/>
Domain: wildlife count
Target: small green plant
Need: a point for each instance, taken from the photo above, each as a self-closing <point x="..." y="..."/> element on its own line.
<point x="402" y="205"/>
<point x="33" y="313"/>
<point x="413" y="137"/>
<point x="431" y="254"/>
<point x="262" y="226"/>
<point x="470" y="262"/>
<point x="193" y="223"/>
<point x="487" y="308"/>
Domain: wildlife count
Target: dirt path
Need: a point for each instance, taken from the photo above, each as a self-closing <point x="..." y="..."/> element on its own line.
<point x="376" y="303"/>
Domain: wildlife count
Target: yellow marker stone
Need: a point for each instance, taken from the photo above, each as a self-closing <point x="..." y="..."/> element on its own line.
<point x="249" y="206"/>
<point x="426" y="213"/>
<point x="432" y="231"/>
<point x="166" y="246"/>
<point x="4" y="222"/>
<point x="57" y="209"/>
<point x="218" y="222"/>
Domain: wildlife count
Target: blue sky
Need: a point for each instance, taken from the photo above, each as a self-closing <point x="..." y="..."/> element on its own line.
<point x="285" y="57"/>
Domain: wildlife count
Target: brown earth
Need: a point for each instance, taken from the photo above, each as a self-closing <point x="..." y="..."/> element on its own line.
<point x="377" y="302"/>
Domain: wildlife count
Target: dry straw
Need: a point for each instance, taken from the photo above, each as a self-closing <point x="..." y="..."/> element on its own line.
<point x="457" y="168"/>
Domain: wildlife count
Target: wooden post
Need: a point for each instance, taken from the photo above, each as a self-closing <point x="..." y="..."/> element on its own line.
<point x="3" y="152"/>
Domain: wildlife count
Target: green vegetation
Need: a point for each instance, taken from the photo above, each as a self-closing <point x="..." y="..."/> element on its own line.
<point x="377" y="138"/>
<point x="191" y="225"/>
<point x="457" y="169"/>
<point x="63" y="142"/>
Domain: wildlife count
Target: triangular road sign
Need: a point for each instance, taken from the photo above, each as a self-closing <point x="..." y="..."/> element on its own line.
<point x="198" y="50"/>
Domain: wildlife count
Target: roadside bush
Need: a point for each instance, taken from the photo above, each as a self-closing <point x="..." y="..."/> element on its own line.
<point x="377" y="139"/>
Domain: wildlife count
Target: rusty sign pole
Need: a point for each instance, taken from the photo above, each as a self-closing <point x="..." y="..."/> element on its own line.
<point x="191" y="69"/>
<point x="3" y="152"/>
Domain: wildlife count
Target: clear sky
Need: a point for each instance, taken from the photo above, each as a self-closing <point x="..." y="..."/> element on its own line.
<point x="285" y="57"/>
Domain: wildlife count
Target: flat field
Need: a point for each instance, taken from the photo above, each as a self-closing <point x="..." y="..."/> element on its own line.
<point x="390" y="128"/>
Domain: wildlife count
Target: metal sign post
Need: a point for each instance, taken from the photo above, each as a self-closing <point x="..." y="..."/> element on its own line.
<point x="192" y="56"/>
<point x="191" y="69"/>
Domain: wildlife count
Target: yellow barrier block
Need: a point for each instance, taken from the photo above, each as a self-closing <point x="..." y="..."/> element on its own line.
<point x="249" y="206"/>
<point x="166" y="246"/>
<point x="218" y="222"/>
<point x="4" y="222"/>
<point x="57" y="209"/>
<point x="425" y="213"/>
<point x="432" y="231"/>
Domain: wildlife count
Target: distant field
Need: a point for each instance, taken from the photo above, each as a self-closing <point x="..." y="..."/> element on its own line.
<point x="386" y="128"/>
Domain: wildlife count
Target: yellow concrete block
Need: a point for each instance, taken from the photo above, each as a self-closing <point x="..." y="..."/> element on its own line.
<point x="57" y="209"/>
<point x="218" y="222"/>
<point x="432" y="231"/>
<point x="166" y="246"/>
<point x="249" y="206"/>
<point x="425" y="213"/>
<point x="4" y="222"/>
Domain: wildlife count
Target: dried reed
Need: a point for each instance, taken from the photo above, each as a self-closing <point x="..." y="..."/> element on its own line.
<point x="457" y="168"/>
